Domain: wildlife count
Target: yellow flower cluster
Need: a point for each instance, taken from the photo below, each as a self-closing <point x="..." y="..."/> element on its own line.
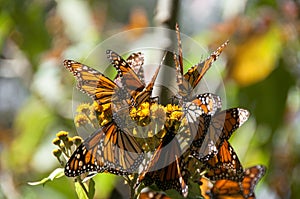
<point x="64" y="144"/>
<point x="149" y="120"/>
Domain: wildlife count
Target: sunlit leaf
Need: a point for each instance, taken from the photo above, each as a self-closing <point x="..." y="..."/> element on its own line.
<point x="256" y="58"/>
<point x="80" y="191"/>
<point x="57" y="173"/>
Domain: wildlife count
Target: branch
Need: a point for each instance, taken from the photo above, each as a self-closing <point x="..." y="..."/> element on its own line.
<point x="166" y="17"/>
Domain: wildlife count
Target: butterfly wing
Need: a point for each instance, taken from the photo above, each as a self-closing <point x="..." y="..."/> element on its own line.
<point x="198" y="113"/>
<point x="229" y="189"/>
<point x="184" y="88"/>
<point x="108" y="149"/>
<point x="136" y="61"/>
<point x="192" y="77"/>
<point x="196" y="73"/>
<point x="165" y="167"/>
<point x="225" y="165"/>
<point x="252" y="177"/>
<point x="86" y="158"/>
<point x="208" y="102"/>
<point x="220" y="128"/>
<point x="145" y="95"/>
<point x="130" y="81"/>
<point x="93" y="83"/>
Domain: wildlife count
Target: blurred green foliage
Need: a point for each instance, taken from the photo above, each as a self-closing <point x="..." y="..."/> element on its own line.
<point x="35" y="35"/>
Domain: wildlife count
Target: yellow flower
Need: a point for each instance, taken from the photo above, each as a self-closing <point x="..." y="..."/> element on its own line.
<point x="169" y="108"/>
<point x="92" y="116"/>
<point x="56" y="152"/>
<point x="105" y="121"/>
<point x="62" y="135"/>
<point x="83" y="108"/>
<point x="133" y="112"/>
<point x="69" y="142"/>
<point x="143" y="112"/>
<point x="77" y="140"/>
<point x="56" y="141"/>
<point x="176" y="115"/>
<point x="81" y="120"/>
<point x="106" y="107"/>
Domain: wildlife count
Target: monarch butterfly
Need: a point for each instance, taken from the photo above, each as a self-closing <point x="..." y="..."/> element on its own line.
<point x="130" y="80"/>
<point x="208" y="104"/>
<point x="228" y="189"/>
<point x="136" y="61"/>
<point x="111" y="148"/>
<point x="107" y="149"/>
<point x="192" y="77"/>
<point x="95" y="84"/>
<point x="199" y="111"/>
<point x="225" y="165"/>
<point x="214" y="130"/>
<point x="163" y="170"/>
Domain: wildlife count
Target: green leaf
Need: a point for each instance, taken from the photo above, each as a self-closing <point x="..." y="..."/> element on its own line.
<point x="91" y="189"/>
<point x="57" y="173"/>
<point x="80" y="190"/>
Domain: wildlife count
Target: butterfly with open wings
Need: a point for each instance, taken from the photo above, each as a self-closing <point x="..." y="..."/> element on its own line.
<point x="111" y="148"/>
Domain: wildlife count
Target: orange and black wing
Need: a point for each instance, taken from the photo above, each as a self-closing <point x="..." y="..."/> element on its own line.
<point x="136" y="62"/>
<point x="228" y="189"/>
<point x="225" y="165"/>
<point x="198" y="113"/>
<point x="208" y="102"/>
<point x="130" y="80"/>
<point x="165" y="169"/>
<point x="188" y="81"/>
<point x="196" y="73"/>
<point x="221" y="189"/>
<point x="108" y="149"/>
<point x="146" y="94"/>
<point x="252" y="177"/>
<point x="217" y="129"/>
<point x="93" y="83"/>
<point x="184" y="87"/>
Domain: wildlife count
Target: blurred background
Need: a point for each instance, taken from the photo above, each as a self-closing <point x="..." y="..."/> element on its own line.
<point x="260" y="70"/>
